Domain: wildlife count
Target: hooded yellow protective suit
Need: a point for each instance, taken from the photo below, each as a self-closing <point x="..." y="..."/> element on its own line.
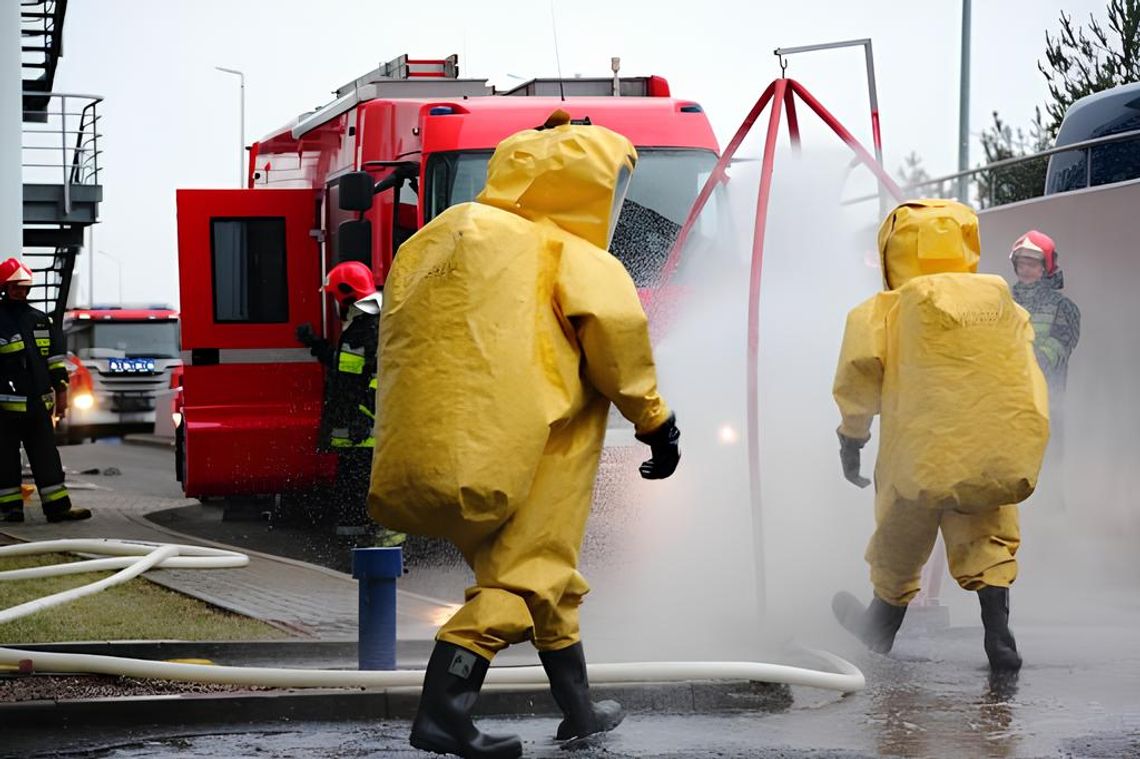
<point x="945" y="357"/>
<point x="507" y="330"/>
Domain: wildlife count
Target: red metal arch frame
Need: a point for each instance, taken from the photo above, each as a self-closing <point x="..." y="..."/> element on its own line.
<point x="781" y="93"/>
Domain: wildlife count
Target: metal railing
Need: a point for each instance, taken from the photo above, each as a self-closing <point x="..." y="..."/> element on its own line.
<point x="60" y="147"/>
<point x="989" y="175"/>
<point x="54" y="273"/>
<point x="63" y="148"/>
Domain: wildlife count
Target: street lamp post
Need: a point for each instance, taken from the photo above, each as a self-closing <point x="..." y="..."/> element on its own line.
<point x="241" y="124"/>
<point x="964" y="106"/>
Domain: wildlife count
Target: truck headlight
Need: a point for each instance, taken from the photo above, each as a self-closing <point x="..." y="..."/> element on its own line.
<point x="83" y="401"/>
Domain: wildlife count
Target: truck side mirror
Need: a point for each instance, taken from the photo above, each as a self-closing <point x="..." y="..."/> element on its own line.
<point x="355" y="191"/>
<point x="354" y="242"/>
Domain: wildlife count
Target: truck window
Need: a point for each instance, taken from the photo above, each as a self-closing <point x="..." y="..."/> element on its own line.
<point x="406" y="217"/>
<point x="665" y="184"/>
<point x="248" y="256"/>
<point x="455" y="178"/>
<point x="1067" y="171"/>
<point x="124" y="339"/>
<point x="1112" y="111"/>
<point x="1115" y="162"/>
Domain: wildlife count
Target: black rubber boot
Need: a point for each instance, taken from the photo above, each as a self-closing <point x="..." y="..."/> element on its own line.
<point x="443" y="723"/>
<point x="12" y="515"/>
<point x="875" y="625"/>
<point x="1000" y="646"/>
<point x="70" y="515"/>
<point x="566" y="669"/>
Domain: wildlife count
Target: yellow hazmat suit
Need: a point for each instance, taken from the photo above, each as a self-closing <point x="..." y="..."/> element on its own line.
<point x="945" y="356"/>
<point x="507" y="330"/>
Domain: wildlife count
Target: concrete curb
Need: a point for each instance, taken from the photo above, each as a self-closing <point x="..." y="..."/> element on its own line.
<point x="394" y="703"/>
<point x="331" y="654"/>
<point x="155" y="441"/>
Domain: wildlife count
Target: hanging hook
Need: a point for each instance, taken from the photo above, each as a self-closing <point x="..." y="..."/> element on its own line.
<point x="783" y="63"/>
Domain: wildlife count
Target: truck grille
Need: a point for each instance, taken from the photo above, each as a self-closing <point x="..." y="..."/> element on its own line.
<point x="124" y="393"/>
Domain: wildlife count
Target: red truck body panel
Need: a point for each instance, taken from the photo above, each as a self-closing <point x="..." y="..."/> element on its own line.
<point x="252" y="396"/>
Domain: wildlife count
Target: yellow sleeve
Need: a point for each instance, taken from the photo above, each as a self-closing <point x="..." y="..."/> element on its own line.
<point x="597" y="297"/>
<point x="859" y="376"/>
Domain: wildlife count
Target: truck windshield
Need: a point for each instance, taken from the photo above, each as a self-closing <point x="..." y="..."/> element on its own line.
<point x="665" y="184"/>
<point x="151" y="339"/>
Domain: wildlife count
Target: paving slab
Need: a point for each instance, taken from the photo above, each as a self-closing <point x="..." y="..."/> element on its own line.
<point x="304" y="599"/>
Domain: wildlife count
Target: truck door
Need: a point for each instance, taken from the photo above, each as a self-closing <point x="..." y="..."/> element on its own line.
<point x="249" y="273"/>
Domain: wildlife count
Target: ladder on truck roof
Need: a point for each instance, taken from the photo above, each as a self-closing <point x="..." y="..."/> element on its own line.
<point x="403" y="69"/>
<point x="405" y="77"/>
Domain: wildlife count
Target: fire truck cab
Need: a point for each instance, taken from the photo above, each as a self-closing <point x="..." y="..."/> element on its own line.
<point x="352" y="181"/>
<point x="123" y="359"/>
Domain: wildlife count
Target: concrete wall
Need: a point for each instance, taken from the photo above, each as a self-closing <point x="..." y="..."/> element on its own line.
<point x="1096" y="235"/>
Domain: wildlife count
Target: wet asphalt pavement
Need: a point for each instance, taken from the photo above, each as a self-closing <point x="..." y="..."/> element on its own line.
<point x="1077" y="696"/>
<point x="933" y="697"/>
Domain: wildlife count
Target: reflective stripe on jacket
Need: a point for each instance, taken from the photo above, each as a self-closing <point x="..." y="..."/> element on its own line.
<point x="350" y="386"/>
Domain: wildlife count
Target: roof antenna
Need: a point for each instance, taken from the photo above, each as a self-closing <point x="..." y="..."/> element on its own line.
<point x="557" y="57"/>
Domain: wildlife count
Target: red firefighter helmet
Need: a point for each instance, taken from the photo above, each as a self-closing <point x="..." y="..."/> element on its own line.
<point x="14" y="271"/>
<point x="1038" y="246"/>
<point x="351" y="278"/>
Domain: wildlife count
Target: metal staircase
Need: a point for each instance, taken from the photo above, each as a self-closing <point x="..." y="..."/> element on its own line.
<point x="60" y="158"/>
<point x="41" y="46"/>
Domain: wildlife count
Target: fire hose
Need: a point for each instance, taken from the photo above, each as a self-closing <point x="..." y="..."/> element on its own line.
<point x="132" y="558"/>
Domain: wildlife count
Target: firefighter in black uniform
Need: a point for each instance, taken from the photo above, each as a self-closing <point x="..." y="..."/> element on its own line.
<point x="33" y="387"/>
<point x="350" y="395"/>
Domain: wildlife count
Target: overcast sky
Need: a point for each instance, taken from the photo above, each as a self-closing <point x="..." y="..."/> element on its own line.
<point x="171" y="121"/>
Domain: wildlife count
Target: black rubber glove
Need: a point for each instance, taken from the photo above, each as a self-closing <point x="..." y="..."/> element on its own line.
<point x="359" y="429"/>
<point x="305" y="334"/>
<point x="318" y="347"/>
<point x="666" y="450"/>
<point x="849" y="456"/>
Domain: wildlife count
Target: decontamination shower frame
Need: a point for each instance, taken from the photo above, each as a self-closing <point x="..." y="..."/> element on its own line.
<point x="782" y="94"/>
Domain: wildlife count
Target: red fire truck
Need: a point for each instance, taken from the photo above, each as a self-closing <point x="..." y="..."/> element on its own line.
<point x="351" y="181"/>
<point x="125" y="360"/>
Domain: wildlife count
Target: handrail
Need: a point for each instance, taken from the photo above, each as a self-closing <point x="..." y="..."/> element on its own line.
<point x="77" y="145"/>
<point x="33" y="93"/>
<point x="1005" y="163"/>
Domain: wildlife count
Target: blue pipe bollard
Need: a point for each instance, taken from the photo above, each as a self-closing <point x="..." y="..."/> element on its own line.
<point x="376" y="570"/>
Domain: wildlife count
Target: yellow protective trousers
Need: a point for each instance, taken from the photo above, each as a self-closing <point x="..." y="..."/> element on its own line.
<point x="980" y="547"/>
<point x="527" y="585"/>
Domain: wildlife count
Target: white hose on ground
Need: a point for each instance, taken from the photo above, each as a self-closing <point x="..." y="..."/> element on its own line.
<point x="848" y="679"/>
<point x="147" y="556"/>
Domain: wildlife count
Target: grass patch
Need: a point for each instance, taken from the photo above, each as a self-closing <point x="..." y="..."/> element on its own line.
<point x="136" y="610"/>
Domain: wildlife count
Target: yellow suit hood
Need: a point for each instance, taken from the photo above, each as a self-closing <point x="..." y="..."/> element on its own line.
<point x="571" y="175"/>
<point x="930" y="236"/>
